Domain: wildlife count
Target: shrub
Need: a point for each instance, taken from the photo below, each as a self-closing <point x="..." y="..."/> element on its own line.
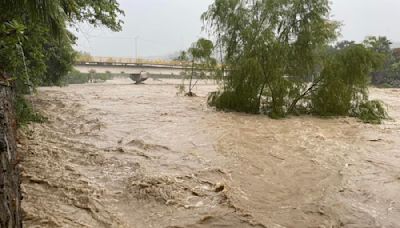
<point x="25" y="112"/>
<point x="372" y="111"/>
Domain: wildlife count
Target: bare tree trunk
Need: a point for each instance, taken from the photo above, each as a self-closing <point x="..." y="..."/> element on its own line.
<point x="191" y="78"/>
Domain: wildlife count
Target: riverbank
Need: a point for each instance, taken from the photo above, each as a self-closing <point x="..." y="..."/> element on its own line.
<point x="10" y="194"/>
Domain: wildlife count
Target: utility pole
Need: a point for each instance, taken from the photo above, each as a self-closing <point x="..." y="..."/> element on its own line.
<point x="136" y="49"/>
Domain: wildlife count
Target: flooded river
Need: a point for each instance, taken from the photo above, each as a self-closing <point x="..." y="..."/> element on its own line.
<point x="124" y="155"/>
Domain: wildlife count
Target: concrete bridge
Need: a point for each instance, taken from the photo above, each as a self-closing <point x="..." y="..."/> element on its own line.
<point x="129" y="68"/>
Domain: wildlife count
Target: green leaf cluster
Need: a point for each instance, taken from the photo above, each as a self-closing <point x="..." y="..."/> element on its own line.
<point x="199" y="61"/>
<point x="389" y="74"/>
<point x="76" y="77"/>
<point x="279" y="61"/>
<point x="344" y="81"/>
<point x="25" y="112"/>
<point x="35" y="44"/>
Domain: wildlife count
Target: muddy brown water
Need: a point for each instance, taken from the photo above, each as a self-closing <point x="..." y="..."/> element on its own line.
<point x="123" y="155"/>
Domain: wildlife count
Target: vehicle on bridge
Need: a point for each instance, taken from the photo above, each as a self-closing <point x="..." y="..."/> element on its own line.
<point x="139" y="78"/>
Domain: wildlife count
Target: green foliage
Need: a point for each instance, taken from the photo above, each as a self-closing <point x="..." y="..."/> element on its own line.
<point x="60" y="57"/>
<point x="35" y="45"/>
<point x="183" y="57"/>
<point x="76" y="77"/>
<point x="25" y="112"/>
<point x="55" y="13"/>
<point x="11" y="33"/>
<point x="271" y="48"/>
<point x="83" y="57"/>
<point x="233" y="101"/>
<point x="201" y="62"/>
<point x="344" y="81"/>
<point x="201" y="50"/>
<point x="372" y="112"/>
<point x="378" y="44"/>
<point x="31" y="12"/>
<point x="344" y="44"/>
<point x="389" y="74"/>
<point x="279" y="61"/>
<point x="45" y="42"/>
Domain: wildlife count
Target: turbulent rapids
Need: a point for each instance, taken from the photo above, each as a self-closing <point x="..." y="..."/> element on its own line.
<point x="124" y="155"/>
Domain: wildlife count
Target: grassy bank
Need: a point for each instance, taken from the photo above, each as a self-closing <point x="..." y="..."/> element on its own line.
<point x="76" y="77"/>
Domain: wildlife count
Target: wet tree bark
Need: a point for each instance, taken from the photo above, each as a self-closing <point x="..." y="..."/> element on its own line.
<point x="10" y="194"/>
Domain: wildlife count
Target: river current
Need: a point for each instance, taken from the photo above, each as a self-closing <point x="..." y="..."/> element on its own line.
<point x="122" y="155"/>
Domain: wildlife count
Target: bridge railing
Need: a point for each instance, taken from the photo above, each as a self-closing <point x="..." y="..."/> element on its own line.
<point x="122" y="60"/>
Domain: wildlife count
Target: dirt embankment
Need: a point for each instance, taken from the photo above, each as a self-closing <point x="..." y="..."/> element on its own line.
<point x="10" y="214"/>
<point x="120" y="155"/>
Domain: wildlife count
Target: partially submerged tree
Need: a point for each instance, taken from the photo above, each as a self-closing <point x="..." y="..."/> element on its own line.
<point x="199" y="56"/>
<point x="344" y="81"/>
<point x="279" y="61"/>
<point x="271" y="48"/>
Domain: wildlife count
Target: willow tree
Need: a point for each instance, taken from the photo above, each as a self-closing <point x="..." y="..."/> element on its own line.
<point x="271" y="49"/>
<point x="199" y="56"/>
<point x="343" y="84"/>
<point x="275" y="53"/>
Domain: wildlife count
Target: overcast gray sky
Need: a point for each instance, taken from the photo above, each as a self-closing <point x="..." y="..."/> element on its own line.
<point x="163" y="27"/>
